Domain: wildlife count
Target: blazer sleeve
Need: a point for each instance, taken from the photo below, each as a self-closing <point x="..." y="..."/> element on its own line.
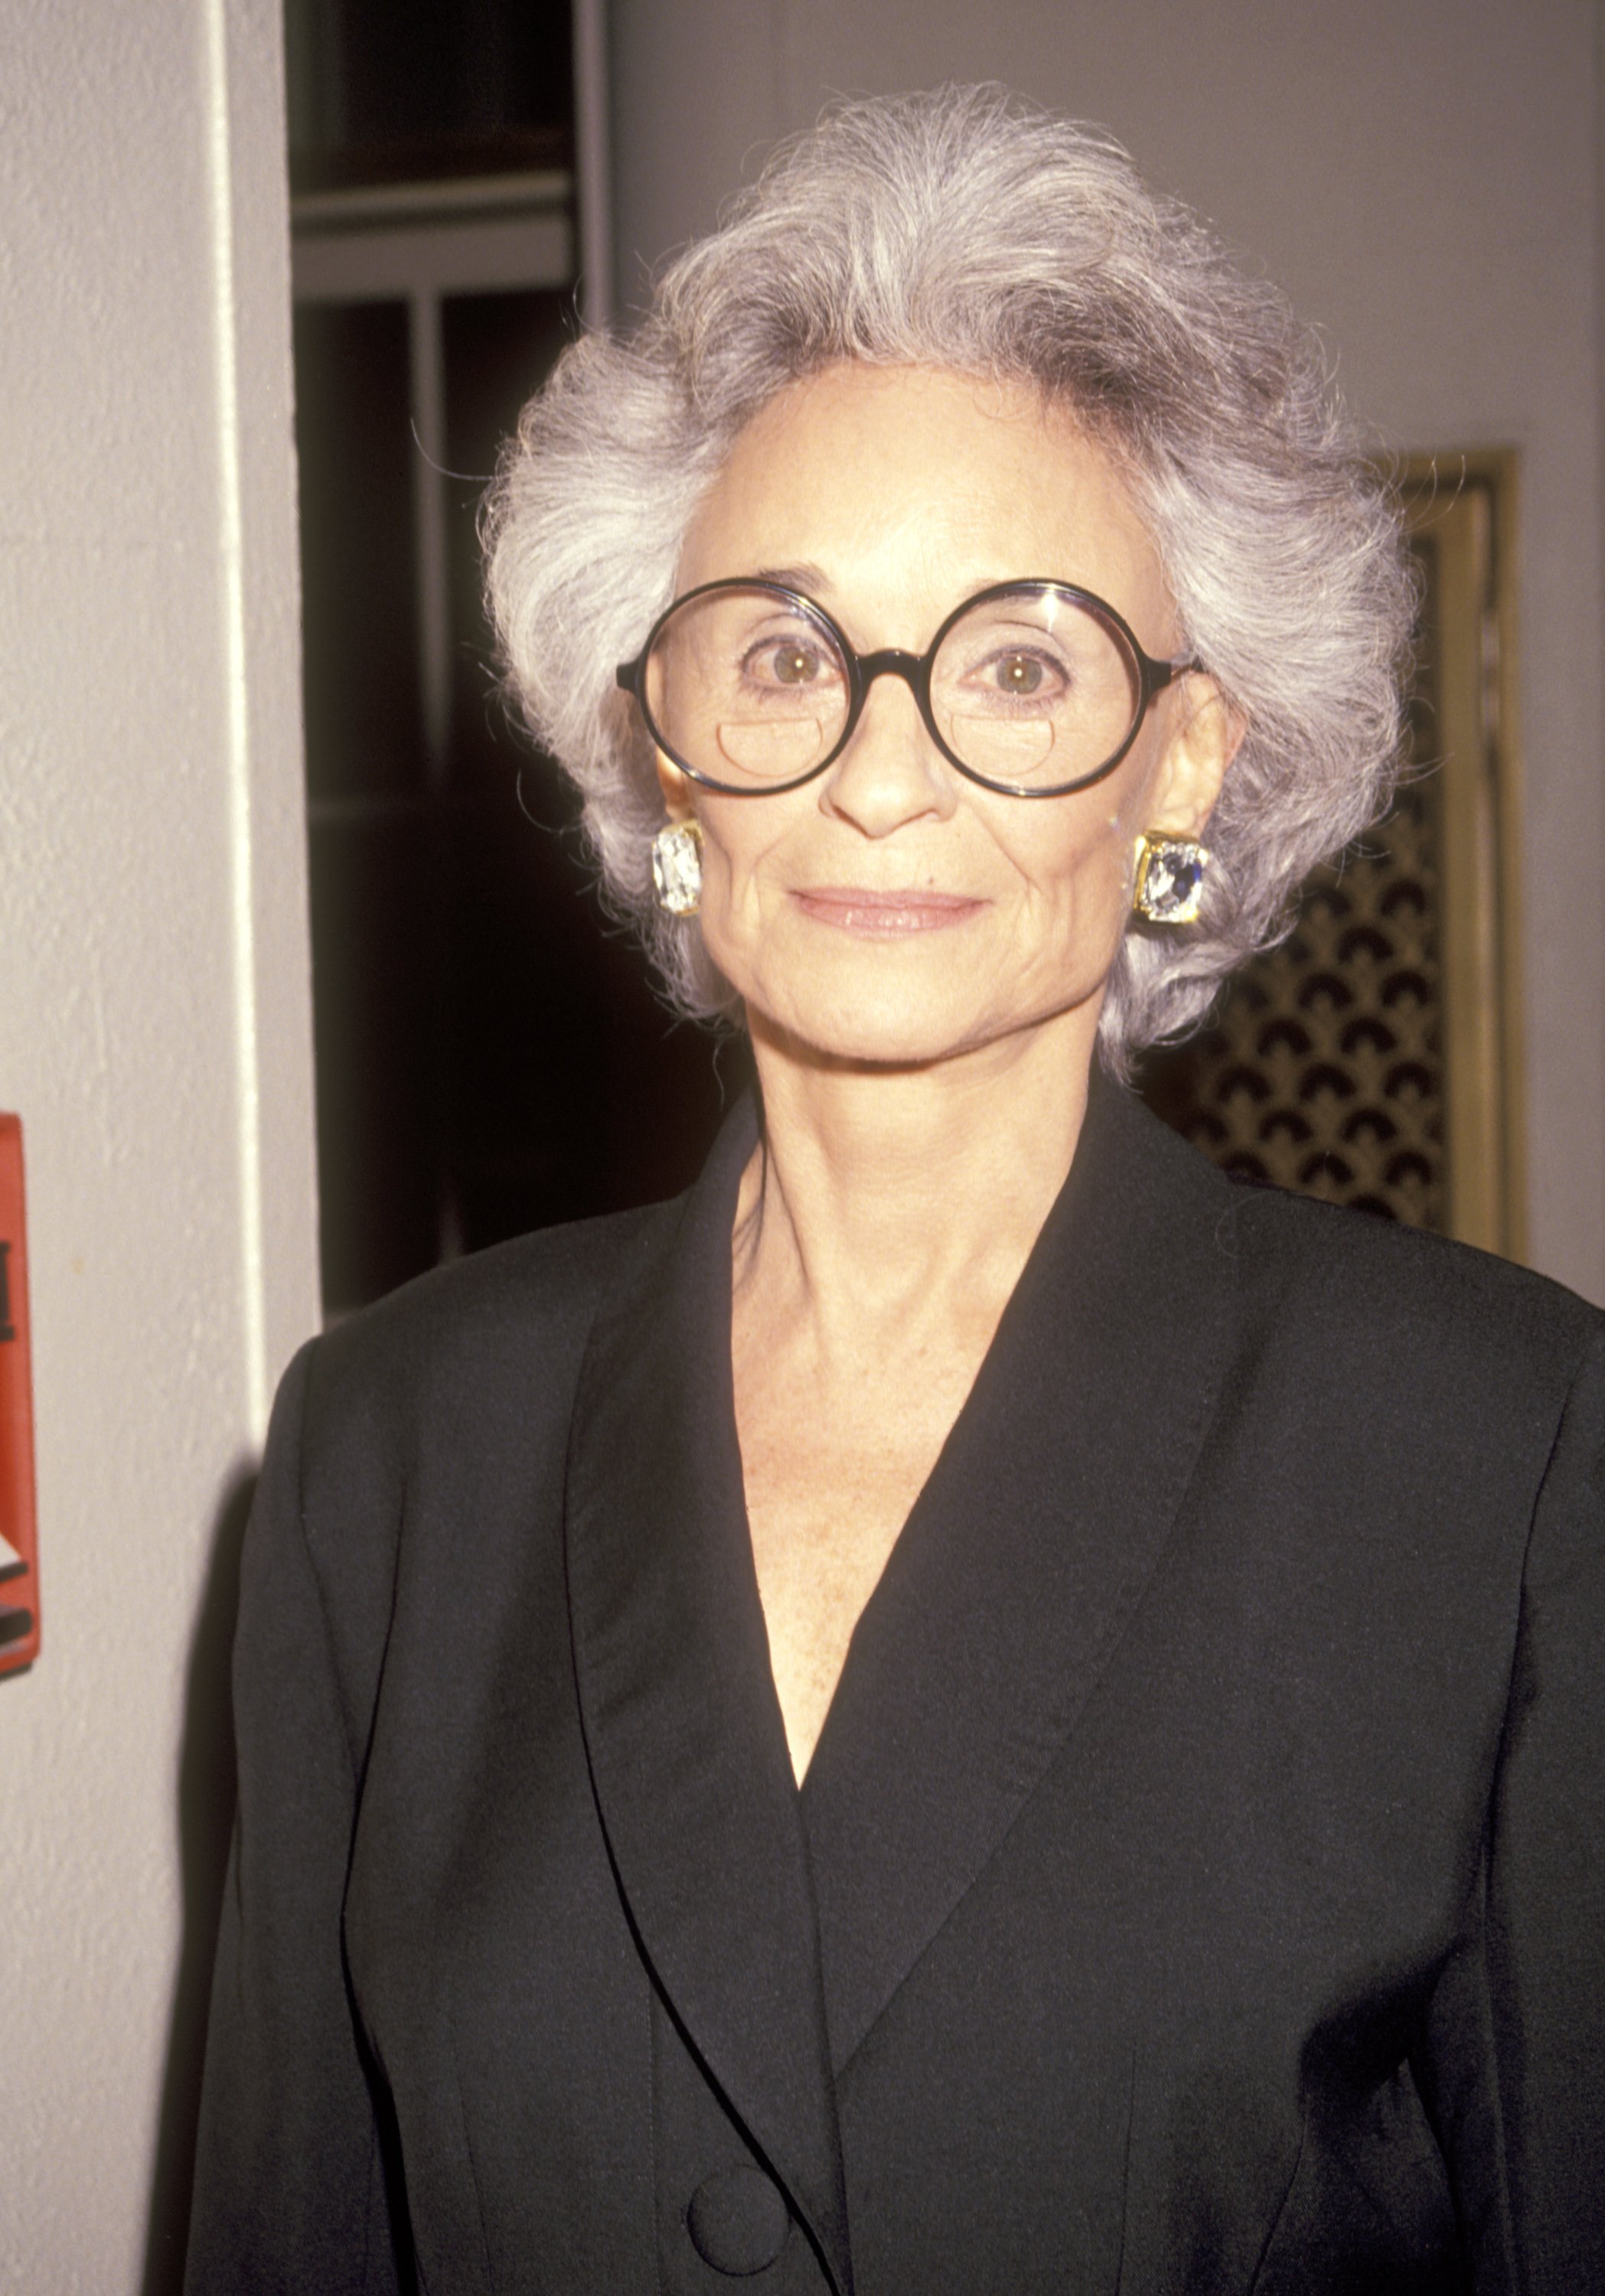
<point x="291" y="2176"/>
<point x="1524" y="2004"/>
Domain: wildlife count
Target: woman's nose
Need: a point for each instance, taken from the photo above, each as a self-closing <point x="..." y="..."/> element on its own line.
<point x="891" y="772"/>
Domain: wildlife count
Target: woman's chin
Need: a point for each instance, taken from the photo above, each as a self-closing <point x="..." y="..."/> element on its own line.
<point x="885" y="1025"/>
<point x="869" y="1032"/>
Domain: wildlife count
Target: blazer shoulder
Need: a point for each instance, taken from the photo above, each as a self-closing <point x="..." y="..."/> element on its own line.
<point x="446" y="1403"/>
<point x="1402" y="1292"/>
<point x="1359" y="1299"/>
<point x="537" y="1292"/>
<point x="481" y="1353"/>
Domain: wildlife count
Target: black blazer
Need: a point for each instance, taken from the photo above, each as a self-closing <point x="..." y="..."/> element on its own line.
<point x="1198" y="1885"/>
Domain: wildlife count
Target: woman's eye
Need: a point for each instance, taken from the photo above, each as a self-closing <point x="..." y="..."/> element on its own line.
<point x="1018" y="673"/>
<point x="1024" y="676"/>
<point x="786" y="663"/>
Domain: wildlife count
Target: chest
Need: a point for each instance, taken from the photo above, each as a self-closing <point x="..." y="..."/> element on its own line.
<point x="831" y="1473"/>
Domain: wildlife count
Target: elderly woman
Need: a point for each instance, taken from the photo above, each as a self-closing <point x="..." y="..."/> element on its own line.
<point x="970" y="1707"/>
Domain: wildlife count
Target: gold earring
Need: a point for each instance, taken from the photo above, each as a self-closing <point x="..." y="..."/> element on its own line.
<point x="677" y="867"/>
<point x="1170" y="879"/>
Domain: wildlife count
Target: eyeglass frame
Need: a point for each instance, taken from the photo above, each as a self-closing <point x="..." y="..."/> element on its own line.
<point x="1153" y="677"/>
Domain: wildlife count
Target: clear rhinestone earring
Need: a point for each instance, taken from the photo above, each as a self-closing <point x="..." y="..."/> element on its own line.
<point x="677" y="867"/>
<point x="1170" y="879"/>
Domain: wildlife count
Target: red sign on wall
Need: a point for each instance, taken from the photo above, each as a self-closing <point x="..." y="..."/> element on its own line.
<point x="19" y="1551"/>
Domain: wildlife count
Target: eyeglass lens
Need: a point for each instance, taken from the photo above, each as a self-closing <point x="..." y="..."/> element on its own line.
<point x="749" y="689"/>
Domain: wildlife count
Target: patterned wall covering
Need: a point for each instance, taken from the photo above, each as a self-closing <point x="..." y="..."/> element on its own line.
<point x="1324" y="1069"/>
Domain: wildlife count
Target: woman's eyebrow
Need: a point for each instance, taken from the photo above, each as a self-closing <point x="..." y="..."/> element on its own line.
<point x="817" y="584"/>
<point x="807" y="577"/>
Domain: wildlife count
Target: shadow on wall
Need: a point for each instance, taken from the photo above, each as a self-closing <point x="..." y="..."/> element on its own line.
<point x="206" y="1810"/>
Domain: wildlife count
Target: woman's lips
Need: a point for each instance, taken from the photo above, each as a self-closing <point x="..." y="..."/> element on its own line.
<point x="851" y="908"/>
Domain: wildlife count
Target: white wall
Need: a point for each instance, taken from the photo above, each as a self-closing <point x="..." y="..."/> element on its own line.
<point x="154" y="1019"/>
<point x="1423" y="182"/>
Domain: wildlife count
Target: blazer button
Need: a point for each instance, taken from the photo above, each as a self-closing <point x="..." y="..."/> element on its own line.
<point x="738" y="2220"/>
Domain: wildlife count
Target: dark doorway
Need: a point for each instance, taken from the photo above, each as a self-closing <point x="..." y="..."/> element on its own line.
<point x="491" y="1056"/>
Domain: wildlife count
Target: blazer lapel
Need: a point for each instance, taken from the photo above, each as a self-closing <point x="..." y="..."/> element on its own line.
<point x="683" y="1732"/>
<point x="1025" y="1554"/>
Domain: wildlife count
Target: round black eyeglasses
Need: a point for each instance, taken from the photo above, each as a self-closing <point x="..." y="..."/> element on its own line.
<point x="1033" y="688"/>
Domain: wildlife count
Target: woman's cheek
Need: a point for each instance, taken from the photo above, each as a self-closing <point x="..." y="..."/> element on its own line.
<point x="731" y="925"/>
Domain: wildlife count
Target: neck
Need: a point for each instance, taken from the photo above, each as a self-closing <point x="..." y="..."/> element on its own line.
<point x="898" y="1198"/>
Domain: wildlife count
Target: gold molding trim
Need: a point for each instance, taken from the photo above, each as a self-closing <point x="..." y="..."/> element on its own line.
<point x="1461" y="513"/>
<point x="1372" y="1057"/>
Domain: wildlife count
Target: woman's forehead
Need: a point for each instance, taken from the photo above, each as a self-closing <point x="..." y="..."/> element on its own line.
<point x="924" y="484"/>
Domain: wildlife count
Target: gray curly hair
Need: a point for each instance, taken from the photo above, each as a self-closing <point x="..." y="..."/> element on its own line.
<point x="966" y="230"/>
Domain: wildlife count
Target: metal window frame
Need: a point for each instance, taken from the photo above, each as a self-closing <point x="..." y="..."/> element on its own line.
<point x="417" y="243"/>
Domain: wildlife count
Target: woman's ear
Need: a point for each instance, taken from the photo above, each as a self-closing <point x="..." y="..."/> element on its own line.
<point x="675" y="787"/>
<point x="1204" y="740"/>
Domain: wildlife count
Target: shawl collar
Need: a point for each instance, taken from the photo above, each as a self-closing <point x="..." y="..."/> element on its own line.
<point x="779" y="1926"/>
<point x="1026" y="1553"/>
<point x="682" y="1728"/>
